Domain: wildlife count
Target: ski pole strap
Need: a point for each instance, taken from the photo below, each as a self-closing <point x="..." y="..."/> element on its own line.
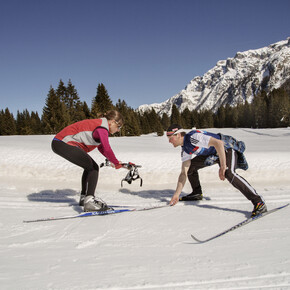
<point x="133" y="173"/>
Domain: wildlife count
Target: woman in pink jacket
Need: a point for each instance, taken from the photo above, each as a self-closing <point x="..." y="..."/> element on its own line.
<point x="75" y="141"/>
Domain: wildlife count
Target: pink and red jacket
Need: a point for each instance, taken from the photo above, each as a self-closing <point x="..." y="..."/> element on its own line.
<point x="88" y="135"/>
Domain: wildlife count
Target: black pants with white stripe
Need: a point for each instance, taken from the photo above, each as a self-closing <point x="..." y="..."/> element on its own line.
<point x="236" y="180"/>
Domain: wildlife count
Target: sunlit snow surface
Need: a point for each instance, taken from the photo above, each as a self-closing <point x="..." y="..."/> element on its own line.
<point x="142" y="250"/>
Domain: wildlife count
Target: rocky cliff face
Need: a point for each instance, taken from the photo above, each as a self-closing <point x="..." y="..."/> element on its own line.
<point x="233" y="81"/>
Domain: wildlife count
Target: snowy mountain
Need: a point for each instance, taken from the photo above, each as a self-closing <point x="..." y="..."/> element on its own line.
<point x="233" y="80"/>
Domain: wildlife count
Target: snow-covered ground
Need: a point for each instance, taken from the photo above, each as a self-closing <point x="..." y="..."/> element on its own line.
<point x="149" y="249"/>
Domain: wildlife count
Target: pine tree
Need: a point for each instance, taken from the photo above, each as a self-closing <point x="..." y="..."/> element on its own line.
<point x="152" y="119"/>
<point x="55" y="116"/>
<point x="245" y="115"/>
<point x="1" y="121"/>
<point x="61" y="92"/>
<point x="235" y="117"/>
<point x="175" y="116"/>
<point x="102" y="102"/>
<point x="23" y="123"/>
<point x="186" y="119"/>
<point x="155" y="123"/>
<point x="20" y="123"/>
<point x="77" y="113"/>
<point x="73" y="103"/>
<point x="69" y="97"/>
<point x="260" y="111"/>
<point x="35" y="123"/>
<point x="220" y="117"/>
<point x="8" y="125"/>
<point x="159" y="129"/>
<point x="165" y="121"/>
<point x="145" y="126"/>
<point x="195" y="119"/>
<point x="206" y="119"/>
<point x="86" y="110"/>
<point x="131" y="125"/>
<point x="279" y="108"/>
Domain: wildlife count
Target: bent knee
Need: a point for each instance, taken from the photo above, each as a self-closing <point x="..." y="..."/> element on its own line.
<point x="229" y="175"/>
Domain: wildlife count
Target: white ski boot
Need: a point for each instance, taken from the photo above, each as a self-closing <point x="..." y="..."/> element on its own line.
<point x="91" y="203"/>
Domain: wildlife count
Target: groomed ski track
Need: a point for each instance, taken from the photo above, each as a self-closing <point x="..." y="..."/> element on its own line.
<point x="145" y="249"/>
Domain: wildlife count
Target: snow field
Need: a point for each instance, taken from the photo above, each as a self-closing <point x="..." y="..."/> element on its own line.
<point x="142" y="250"/>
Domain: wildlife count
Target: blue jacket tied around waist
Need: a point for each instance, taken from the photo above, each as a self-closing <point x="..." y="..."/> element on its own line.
<point x="239" y="146"/>
<point x="229" y="143"/>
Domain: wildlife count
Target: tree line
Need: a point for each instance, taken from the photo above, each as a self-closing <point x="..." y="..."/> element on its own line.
<point x="63" y="107"/>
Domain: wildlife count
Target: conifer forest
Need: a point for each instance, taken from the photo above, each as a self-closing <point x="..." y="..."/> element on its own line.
<point x="63" y="106"/>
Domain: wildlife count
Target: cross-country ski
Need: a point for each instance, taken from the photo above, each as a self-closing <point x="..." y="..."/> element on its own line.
<point x="95" y="213"/>
<point x="243" y="223"/>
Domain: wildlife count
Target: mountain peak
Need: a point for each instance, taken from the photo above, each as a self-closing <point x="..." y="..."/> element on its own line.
<point x="233" y="81"/>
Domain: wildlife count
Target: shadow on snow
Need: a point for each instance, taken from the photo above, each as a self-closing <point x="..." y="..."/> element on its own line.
<point x="70" y="197"/>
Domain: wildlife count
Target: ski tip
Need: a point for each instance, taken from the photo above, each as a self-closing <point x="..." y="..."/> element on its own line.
<point x="196" y="239"/>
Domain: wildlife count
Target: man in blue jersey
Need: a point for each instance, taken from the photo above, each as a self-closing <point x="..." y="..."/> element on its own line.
<point x="201" y="149"/>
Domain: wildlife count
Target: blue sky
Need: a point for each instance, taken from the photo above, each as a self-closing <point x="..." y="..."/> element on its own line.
<point x="143" y="51"/>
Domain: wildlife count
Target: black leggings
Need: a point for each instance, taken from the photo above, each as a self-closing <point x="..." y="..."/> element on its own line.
<point x="80" y="158"/>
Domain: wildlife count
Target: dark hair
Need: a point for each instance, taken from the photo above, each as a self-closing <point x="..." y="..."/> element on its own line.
<point x="114" y="115"/>
<point x="172" y="129"/>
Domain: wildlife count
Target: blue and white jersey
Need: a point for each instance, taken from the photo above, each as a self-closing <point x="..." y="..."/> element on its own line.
<point x="196" y="143"/>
